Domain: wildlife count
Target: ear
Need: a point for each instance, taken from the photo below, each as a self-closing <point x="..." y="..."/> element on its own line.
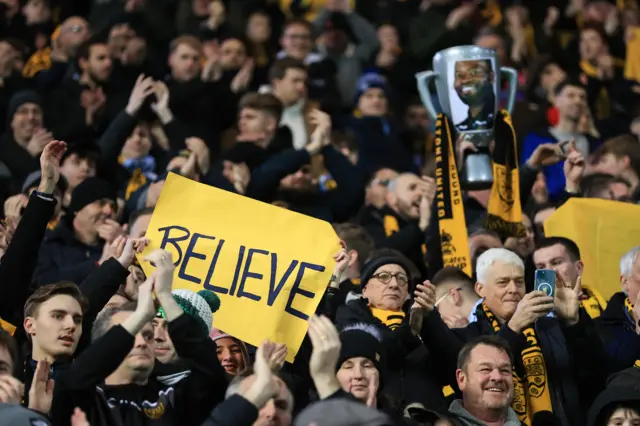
<point x="461" y="378"/>
<point x="625" y="284"/>
<point x="272" y="124"/>
<point x="480" y="290"/>
<point x="626" y="161"/>
<point x="391" y="198"/>
<point x="365" y="291"/>
<point x="82" y="63"/>
<point x="456" y="296"/>
<point x="353" y="257"/>
<point x="580" y="267"/>
<point x="29" y="326"/>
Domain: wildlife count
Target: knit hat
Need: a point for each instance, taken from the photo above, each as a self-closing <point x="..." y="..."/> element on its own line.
<point x="371" y="80"/>
<point x="16" y="415"/>
<point x="33" y="181"/>
<point x="200" y="305"/>
<point x="372" y="265"/>
<point x="90" y="190"/>
<point x="361" y="340"/>
<point x="341" y="412"/>
<point x="20" y="98"/>
<point x="216" y="335"/>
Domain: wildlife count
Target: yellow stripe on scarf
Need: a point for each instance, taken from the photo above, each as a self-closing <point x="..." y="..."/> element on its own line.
<point x="504" y="213"/>
<point x="138" y="179"/>
<point x="593" y="302"/>
<point x="7" y="326"/>
<point x="629" y="306"/>
<point x="531" y="395"/>
<point x="391" y="319"/>
<point x="391" y="225"/>
<point x="39" y="61"/>
<point x="637" y="364"/>
<point x="454" y="241"/>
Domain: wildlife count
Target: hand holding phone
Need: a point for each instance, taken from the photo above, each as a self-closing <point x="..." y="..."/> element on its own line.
<point x="545" y="281"/>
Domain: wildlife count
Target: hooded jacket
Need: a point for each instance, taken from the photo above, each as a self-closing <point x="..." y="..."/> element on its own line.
<point x="622" y="388"/>
<point x="466" y="418"/>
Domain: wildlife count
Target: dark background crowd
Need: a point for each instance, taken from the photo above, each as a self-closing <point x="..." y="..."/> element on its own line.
<point x="310" y="105"/>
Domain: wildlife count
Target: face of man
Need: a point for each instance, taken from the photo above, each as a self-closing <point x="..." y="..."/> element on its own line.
<point x="6" y="363"/>
<point x="390" y="295"/>
<point x="376" y="192"/>
<point x="26" y="120"/>
<point x="473" y="81"/>
<point x="232" y="54"/>
<point x="185" y="63"/>
<point x="557" y="257"/>
<point x="259" y="28"/>
<point x="551" y="75"/>
<point x="138" y="144"/>
<point x="296" y="41"/>
<point x="230" y="355"/>
<point x="91" y="216"/>
<point x="631" y="284"/>
<point x="252" y="121"/>
<point x="141" y="358"/>
<point x="571" y="102"/>
<point x="417" y="117"/>
<point x="98" y="66"/>
<point x="73" y="32"/>
<point x="406" y="195"/>
<point x="591" y="45"/>
<point x="56" y="326"/>
<point x="525" y="245"/>
<point x="76" y="168"/>
<point x="277" y="411"/>
<point x="356" y="375"/>
<point x="503" y="289"/>
<point x="292" y="87"/>
<point x="163" y="348"/>
<point x="486" y="380"/>
<point x="373" y="103"/>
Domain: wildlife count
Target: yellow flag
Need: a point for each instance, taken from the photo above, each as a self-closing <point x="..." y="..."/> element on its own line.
<point x="269" y="266"/>
<point x="603" y="230"/>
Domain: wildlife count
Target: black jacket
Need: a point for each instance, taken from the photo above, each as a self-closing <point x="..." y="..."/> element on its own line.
<point x="574" y="357"/>
<point x="184" y="400"/>
<point x="411" y="374"/>
<point x="619" y="334"/>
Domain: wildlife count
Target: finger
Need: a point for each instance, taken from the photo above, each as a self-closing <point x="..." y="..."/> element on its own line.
<point x="139" y="79"/>
<point x="329" y="328"/>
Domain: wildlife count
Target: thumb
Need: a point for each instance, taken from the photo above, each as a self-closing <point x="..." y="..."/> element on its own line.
<point x="578" y="288"/>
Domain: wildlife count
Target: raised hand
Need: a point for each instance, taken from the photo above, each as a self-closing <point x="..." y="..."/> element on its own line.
<point x="321" y="136"/>
<point x="265" y="386"/>
<point x="163" y="273"/>
<point x="161" y="105"/>
<point x="50" y="165"/>
<point x="11" y="390"/>
<point x="127" y="248"/>
<point x="424" y="297"/>
<point x="324" y="357"/>
<point x="38" y="141"/>
<point x="14" y="205"/>
<point x="143" y="88"/>
<point x="567" y="300"/>
<point x="276" y="355"/>
<point x="198" y="147"/>
<point x="574" y="167"/>
<point x="342" y="263"/>
<point x="242" y="79"/>
<point x="41" y="392"/>
<point x="533" y="305"/>
<point x="546" y="154"/>
<point x="110" y="230"/>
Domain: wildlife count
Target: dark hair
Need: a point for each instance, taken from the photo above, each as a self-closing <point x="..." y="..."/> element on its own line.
<point x="44" y="293"/>
<point x="357" y="238"/>
<point x="344" y="139"/>
<point x="102" y="322"/>
<point x="570" y="246"/>
<point x="137" y="214"/>
<point x="84" y="50"/>
<point x="8" y="342"/>
<point x="488" y="340"/>
<point x="450" y="274"/>
<point x="608" y="410"/>
<point x="298" y="21"/>
<point x="189" y="40"/>
<point x="279" y="68"/>
<point x="598" y="28"/>
<point x="569" y="81"/>
<point x="264" y="102"/>
<point x="593" y="184"/>
<point x="620" y="147"/>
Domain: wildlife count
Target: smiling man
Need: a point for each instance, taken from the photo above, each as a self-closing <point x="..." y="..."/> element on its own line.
<point x="484" y="376"/>
<point x="473" y="82"/>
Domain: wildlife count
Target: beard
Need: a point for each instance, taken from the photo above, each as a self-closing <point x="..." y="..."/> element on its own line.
<point x="475" y="93"/>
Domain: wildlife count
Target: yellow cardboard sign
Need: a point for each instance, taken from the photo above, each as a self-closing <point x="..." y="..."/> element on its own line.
<point x="269" y="266"/>
<point x="604" y="230"/>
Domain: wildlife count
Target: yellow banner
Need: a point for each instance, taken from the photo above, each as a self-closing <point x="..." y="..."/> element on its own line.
<point x="269" y="266"/>
<point x="603" y="230"/>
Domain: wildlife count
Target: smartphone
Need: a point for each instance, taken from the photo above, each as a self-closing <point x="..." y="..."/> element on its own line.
<point x="545" y="280"/>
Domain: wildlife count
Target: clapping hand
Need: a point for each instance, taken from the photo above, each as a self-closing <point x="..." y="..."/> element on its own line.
<point x="266" y="385"/>
<point x="567" y="300"/>
<point x="574" y="167"/>
<point x="324" y="357"/>
<point x="143" y="88"/>
<point x="41" y="392"/>
<point x="50" y="165"/>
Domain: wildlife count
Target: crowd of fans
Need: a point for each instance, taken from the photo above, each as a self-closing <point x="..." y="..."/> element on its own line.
<point x="310" y="105"/>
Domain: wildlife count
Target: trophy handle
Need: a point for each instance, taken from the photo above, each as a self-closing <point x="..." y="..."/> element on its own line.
<point x="424" y="78"/>
<point x="512" y="76"/>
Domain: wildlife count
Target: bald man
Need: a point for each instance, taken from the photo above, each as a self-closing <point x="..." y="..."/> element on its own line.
<point x="401" y="223"/>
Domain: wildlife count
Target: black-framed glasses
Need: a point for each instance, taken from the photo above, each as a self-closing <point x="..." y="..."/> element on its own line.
<point x="385" y="278"/>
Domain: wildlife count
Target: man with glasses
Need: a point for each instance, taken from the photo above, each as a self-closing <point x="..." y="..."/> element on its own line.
<point x="386" y="282"/>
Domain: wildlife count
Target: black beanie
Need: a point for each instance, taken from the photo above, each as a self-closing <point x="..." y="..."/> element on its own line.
<point x="361" y="340"/>
<point x="90" y="190"/>
<point x="372" y="265"/>
<point x="20" y="98"/>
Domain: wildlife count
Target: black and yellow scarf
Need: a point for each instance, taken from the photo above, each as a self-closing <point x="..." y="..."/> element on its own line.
<point x="592" y="302"/>
<point x="454" y="241"/>
<point x="531" y="394"/>
<point x="7" y="326"/>
<point x="391" y="226"/>
<point x="504" y="213"/>
<point x="629" y="307"/>
<point x="391" y="319"/>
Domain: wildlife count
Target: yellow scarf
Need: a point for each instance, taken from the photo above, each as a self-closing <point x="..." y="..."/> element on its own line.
<point x="592" y="302"/>
<point x="637" y="364"/>
<point x="535" y="396"/>
<point x="7" y="326"/>
<point x="391" y="319"/>
<point x="454" y="241"/>
<point x="391" y="226"/>
<point x="629" y="307"/>
<point x="504" y="213"/>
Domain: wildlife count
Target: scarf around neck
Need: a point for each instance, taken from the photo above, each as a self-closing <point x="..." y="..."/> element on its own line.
<point x="531" y="393"/>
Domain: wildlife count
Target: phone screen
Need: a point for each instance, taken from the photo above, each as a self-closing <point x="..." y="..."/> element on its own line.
<point x="545" y="281"/>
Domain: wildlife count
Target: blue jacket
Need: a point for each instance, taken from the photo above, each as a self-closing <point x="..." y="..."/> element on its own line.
<point x="553" y="174"/>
